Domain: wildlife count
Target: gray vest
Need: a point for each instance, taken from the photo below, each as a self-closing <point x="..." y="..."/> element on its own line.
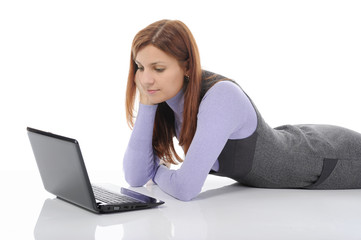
<point x="292" y="156"/>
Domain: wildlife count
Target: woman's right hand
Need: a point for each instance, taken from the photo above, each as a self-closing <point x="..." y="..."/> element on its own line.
<point x="143" y="97"/>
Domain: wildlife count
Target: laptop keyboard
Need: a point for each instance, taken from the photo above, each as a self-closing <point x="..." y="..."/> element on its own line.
<point x="108" y="197"/>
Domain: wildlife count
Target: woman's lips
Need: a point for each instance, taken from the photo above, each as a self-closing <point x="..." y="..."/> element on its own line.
<point x="152" y="91"/>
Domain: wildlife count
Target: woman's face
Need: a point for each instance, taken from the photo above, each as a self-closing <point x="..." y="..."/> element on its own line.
<point x="160" y="75"/>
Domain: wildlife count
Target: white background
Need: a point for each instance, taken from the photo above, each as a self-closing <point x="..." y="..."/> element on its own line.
<point x="64" y="66"/>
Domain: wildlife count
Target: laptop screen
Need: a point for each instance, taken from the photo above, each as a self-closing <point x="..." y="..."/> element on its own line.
<point x="62" y="168"/>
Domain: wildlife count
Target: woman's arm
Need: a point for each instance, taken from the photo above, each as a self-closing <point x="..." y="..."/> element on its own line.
<point x="140" y="162"/>
<point x="224" y="110"/>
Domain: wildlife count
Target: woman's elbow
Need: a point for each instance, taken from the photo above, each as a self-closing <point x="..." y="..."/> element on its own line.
<point x="186" y="198"/>
<point x="187" y="193"/>
<point x="135" y="181"/>
<point x="135" y="176"/>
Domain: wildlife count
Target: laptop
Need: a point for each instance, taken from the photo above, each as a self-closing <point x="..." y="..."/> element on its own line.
<point x="63" y="173"/>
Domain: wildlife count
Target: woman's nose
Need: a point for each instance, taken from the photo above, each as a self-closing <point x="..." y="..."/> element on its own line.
<point x="147" y="78"/>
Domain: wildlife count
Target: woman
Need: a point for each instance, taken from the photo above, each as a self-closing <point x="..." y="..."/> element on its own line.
<point x="219" y="127"/>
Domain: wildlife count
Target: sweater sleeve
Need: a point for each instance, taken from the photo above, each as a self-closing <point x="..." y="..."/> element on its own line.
<point x="223" y="111"/>
<point x="140" y="162"/>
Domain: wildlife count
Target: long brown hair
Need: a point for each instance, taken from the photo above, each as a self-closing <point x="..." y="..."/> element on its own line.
<point x="174" y="38"/>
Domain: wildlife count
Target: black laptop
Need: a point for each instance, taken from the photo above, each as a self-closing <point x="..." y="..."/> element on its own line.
<point x="63" y="172"/>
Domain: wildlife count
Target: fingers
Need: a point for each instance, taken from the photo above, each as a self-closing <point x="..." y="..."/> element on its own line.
<point x="143" y="97"/>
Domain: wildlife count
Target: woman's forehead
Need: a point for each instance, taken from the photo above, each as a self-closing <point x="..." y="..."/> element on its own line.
<point x="153" y="55"/>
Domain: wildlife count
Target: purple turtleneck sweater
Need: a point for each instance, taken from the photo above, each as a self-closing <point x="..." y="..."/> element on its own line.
<point x="225" y="112"/>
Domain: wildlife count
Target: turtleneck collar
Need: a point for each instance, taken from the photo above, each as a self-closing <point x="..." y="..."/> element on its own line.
<point x="176" y="103"/>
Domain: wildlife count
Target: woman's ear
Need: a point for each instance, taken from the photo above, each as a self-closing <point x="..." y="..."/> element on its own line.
<point x="186" y="67"/>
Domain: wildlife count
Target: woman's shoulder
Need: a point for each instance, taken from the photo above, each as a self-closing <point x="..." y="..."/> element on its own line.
<point x="217" y="86"/>
<point x="224" y="87"/>
<point x="226" y="98"/>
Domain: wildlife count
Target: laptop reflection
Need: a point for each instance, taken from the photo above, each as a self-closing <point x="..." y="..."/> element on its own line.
<point x="61" y="220"/>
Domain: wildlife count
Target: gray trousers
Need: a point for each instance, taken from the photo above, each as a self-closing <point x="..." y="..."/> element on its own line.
<point x="307" y="156"/>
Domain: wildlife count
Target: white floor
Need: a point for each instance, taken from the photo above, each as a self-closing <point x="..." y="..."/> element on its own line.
<point x="224" y="210"/>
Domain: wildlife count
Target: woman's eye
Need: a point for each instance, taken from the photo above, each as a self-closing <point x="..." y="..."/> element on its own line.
<point x="140" y="68"/>
<point x="159" y="69"/>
